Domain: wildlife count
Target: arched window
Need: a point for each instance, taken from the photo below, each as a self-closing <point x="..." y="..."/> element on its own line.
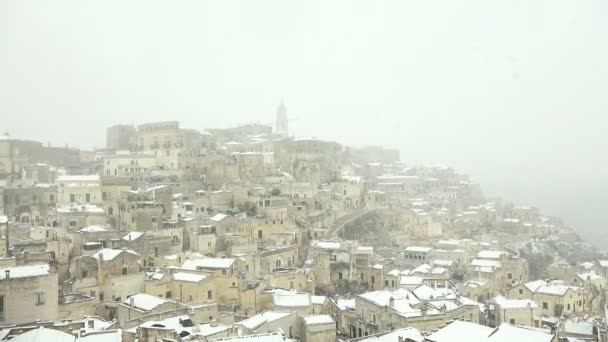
<point x="278" y="263"/>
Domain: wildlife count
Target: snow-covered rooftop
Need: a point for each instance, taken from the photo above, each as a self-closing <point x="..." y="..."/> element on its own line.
<point x="110" y="254"/>
<point x="190" y="277"/>
<point x="291" y="299"/>
<point x="25" y="271"/>
<point x="318" y="319"/>
<point x="144" y="301"/>
<point x="207" y="262"/>
<point x="255" y="322"/>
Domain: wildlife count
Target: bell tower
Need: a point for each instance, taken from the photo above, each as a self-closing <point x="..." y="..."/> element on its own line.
<point x="281" y="127"/>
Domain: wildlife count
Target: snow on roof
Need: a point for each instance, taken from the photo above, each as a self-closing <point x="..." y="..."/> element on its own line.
<point x="42" y="335"/>
<point x="486" y="263"/>
<point x="424" y="268"/>
<point x="404" y="334"/>
<point x="211" y="329"/>
<point x="132" y="236"/>
<point x="383" y="297"/>
<point x="588" y="276"/>
<point x="410" y="280"/>
<point x="86" y="208"/>
<point x="271" y="337"/>
<point x="326" y="245"/>
<point x="418" y="249"/>
<point x="172" y="323"/>
<point x="394" y="273"/>
<point x="102" y="336"/>
<point x="491" y="254"/>
<point x="110" y="254"/>
<point x="291" y="299"/>
<point x="183" y="276"/>
<point x="92" y="229"/>
<point x="144" y="301"/>
<point x="3" y="219"/>
<point x="426" y="292"/>
<point x="320" y="300"/>
<point x="579" y="328"/>
<point x="587" y="265"/>
<point x="550" y="288"/>
<point x="207" y="262"/>
<point x="449" y="242"/>
<point x="443" y="263"/>
<point x="345" y="303"/>
<point x="25" y="271"/>
<point x="508" y="333"/>
<point x="77" y="178"/>
<point x="474" y="283"/>
<point x="255" y="322"/>
<point x="218" y="217"/>
<point x="602" y="263"/>
<point x="318" y="319"/>
<point x="459" y="331"/>
<point x="506" y="303"/>
<point x="365" y="250"/>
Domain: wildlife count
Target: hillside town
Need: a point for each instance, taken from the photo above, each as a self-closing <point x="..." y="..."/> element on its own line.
<point x="249" y="234"/>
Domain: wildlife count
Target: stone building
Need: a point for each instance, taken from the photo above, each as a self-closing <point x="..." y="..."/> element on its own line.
<point x="28" y="293"/>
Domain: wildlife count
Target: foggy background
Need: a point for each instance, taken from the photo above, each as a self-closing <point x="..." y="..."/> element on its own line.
<point x="513" y="93"/>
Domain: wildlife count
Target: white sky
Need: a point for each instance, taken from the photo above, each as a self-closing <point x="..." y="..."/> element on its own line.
<point x="512" y="92"/>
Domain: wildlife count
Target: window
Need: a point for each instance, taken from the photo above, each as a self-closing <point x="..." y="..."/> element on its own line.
<point x="124" y="270"/>
<point x="52" y="198"/>
<point x="72" y="198"/>
<point x="568" y="306"/>
<point x="278" y="264"/>
<point x="259" y="234"/>
<point x="340" y="275"/>
<point x="208" y="244"/>
<point x="545" y="305"/>
<point x="521" y="291"/>
<point x="73" y="223"/>
<point x="104" y="195"/>
<point x="373" y="280"/>
<point x="209" y="295"/>
<point x="168" y="294"/>
<point x="40" y="298"/>
<point x="84" y="273"/>
<point x="223" y="272"/>
<point x="511" y="321"/>
<point x="110" y="211"/>
<point x="510" y="276"/>
<point x="101" y="296"/>
<point x="1" y="308"/>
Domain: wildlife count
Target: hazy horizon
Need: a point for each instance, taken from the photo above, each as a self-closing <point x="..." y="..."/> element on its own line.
<point x="512" y="94"/>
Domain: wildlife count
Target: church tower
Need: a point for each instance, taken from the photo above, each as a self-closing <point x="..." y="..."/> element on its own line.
<point x="281" y="127"/>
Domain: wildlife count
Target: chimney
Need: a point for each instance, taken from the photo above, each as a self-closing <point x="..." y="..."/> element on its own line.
<point x="100" y="257"/>
<point x="132" y="302"/>
<point x="391" y="302"/>
<point x="8" y="274"/>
